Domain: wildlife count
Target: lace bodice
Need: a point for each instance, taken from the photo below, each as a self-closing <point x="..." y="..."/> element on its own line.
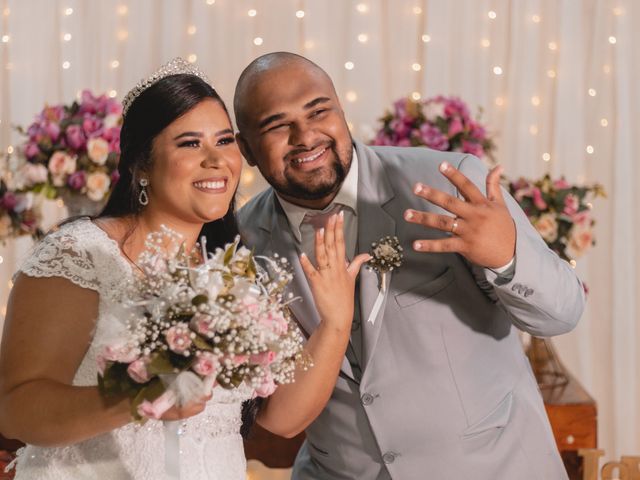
<point x="209" y="444"/>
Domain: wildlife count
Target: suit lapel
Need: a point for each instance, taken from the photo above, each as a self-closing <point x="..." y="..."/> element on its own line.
<point x="282" y="243"/>
<point x="375" y="199"/>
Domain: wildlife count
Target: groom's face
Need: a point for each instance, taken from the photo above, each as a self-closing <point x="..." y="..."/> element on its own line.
<point x="296" y="133"/>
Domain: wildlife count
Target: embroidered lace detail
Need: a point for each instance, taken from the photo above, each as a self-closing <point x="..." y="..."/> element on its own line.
<point x="211" y="447"/>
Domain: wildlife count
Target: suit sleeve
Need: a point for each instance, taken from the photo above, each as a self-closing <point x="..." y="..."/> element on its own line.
<point x="544" y="297"/>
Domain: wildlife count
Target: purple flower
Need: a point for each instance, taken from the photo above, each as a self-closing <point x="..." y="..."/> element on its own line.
<point x="88" y="103"/>
<point x="115" y="176"/>
<point x="92" y="126"/>
<point x="433" y="137"/>
<point x="455" y="127"/>
<point x="472" y="148"/>
<point x="9" y="201"/>
<point x="31" y="150"/>
<point x="77" y="180"/>
<point x="75" y="137"/>
<point x="400" y="128"/>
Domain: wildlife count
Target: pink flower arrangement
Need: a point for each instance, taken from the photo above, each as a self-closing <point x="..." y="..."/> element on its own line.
<point x="72" y="149"/>
<point x="18" y="214"/>
<point x="560" y="212"/>
<point x="442" y="123"/>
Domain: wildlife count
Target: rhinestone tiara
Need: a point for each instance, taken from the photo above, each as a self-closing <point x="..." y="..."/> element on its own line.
<point x="175" y="67"/>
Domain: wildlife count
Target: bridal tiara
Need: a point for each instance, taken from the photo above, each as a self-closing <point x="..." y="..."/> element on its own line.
<point x="175" y="67"/>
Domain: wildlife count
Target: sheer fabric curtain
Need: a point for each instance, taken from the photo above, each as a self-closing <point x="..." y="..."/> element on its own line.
<point x="553" y="77"/>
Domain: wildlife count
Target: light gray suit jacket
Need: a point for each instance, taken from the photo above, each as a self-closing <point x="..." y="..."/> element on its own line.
<point x="446" y="391"/>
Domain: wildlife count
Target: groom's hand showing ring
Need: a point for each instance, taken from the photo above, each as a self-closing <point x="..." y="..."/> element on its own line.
<point x="482" y="229"/>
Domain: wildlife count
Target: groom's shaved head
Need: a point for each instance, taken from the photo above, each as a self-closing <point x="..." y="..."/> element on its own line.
<point x="251" y="76"/>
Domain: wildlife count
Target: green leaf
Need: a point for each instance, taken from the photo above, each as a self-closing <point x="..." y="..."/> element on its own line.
<point x="150" y="392"/>
<point x="160" y="363"/>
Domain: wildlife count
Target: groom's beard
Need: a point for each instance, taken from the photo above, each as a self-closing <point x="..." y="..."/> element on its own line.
<point x="317" y="188"/>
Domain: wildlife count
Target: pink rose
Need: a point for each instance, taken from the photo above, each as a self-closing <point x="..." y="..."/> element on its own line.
<point x="121" y="353"/>
<point x="580" y="240"/>
<point x="31" y="150"/>
<point x="52" y="129"/>
<point x="571" y="204"/>
<point x="206" y="364"/>
<point x="76" y="138"/>
<point x="275" y="321"/>
<point x="267" y="387"/>
<point x="98" y="150"/>
<point x="9" y="201"/>
<point x="582" y="218"/>
<point x="157" y="407"/>
<point x="547" y="226"/>
<point x="538" y="201"/>
<point x="455" y="127"/>
<point x="202" y="323"/>
<point x="264" y="358"/>
<point x="92" y="126"/>
<point x="472" y="148"/>
<point x="137" y="370"/>
<point x="234" y="361"/>
<point x="61" y="164"/>
<point x="77" y="180"/>
<point x="178" y="338"/>
<point x="98" y="184"/>
<point x="33" y="174"/>
<point x="561" y="184"/>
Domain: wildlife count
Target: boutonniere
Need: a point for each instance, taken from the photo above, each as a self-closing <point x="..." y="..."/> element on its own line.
<point x="386" y="256"/>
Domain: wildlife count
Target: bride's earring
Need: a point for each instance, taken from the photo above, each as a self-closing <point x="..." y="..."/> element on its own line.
<point x="143" y="198"/>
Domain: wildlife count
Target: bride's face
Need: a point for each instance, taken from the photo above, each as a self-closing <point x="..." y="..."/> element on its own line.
<point x="196" y="165"/>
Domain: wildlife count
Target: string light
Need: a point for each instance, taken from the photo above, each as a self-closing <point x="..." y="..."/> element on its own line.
<point x="309" y="44"/>
<point x="417" y="10"/>
<point x="535" y="100"/>
<point x="68" y="11"/>
<point x="123" y="35"/>
<point x="113" y="93"/>
<point x="536" y="18"/>
<point x="589" y="149"/>
<point x="533" y="129"/>
<point x="492" y="15"/>
<point x="604" y="122"/>
<point x="351" y="96"/>
<point x="416" y="96"/>
<point x="6" y="38"/>
<point x="499" y="101"/>
<point x="66" y="65"/>
<point x="300" y="14"/>
<point x="362" y="7"/>
<point x="553" y="46"/>
<point x="192" y="58"/>
<point x="10" y="149"/>
<point x="485" y="42"/>
<point x="592" y="92"/>
<point x="573" y="263"/>
<point x="612" y="40"/>
<point x="546" y="157"/>
<point x="258" y="41"/>
<point x="497" y="70"/>
<point x="1" y="259"/>
<point x="123" y="10"/>
<point x="551" y="73"/>
<point x="416" y="67"/>
<point x="66" y="37"/>
<point x="349" y="65"/>
<point x="115" y="64"/>
<point x="363" y="38"/>
<point x="191" y="30"/>
<point x="252" y="13"/>
<point x="426" y="38"/>
<point x="211" y="2"/>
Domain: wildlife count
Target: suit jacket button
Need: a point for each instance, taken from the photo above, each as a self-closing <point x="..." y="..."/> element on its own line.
<point x="366" y="399"/>
<point x="389" y="458"/>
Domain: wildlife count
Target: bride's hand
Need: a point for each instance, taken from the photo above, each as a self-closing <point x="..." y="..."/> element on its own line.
<point x="185" y="411"/>
<point x="333" y="281"/>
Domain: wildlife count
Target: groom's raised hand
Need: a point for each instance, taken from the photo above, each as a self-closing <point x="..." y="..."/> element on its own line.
<point x="482" y="229"/>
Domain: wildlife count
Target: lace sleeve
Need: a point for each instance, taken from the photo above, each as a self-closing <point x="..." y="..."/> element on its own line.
<point x="62" y="254"/>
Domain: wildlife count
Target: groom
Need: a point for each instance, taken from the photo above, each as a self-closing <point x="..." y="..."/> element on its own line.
<point x="434" y="384"/>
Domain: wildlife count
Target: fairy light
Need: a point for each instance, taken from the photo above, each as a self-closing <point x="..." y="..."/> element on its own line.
<point x="123" y="35"/>
<point x="10" y="283"/>
<point x="536" y="18"/>
<point x="589" y="205"/>
<point x="592" y="92"/>
<point x="252" y="13"/>
<point x="363" y="38"/>
<point x="66" y="65"/>
<point x="551" y="73"/>
<point x="533" y="130"/>
<point x="416" y="67"/>
<point x="535" y="100"/>
<point x="589" y="149"/>
<point x="351" y="96"/>
<point x="258" y="41"/>
<point x="349" y="65"/>
<point x="1" y="259"/>
<point x="6" y="12"/>
<point x="211" y="2"/>
<point x="497" y="70"/>
<point x="426" y="38"/>
<point x="67" y="37"/>
<point x="191" y="30"/>
<point x="362" y="7"/>
<point x="115" y="64"/>
<point x="113" y="93"/>
<point x="6" y="38"/>
<point x="68" y="11"/>
<point x="300" y="14"/>
<point x="192" y="58"/>
<point x="617" y="11"/>
<point x="485" y="43"/>
<point x="122" y="10"/>
<point x="248" y="177"/>
<point x="553" y="46"/>
<point x="416" y="96"/>
<point x="573" y="263"/>
<point x="417" y="10"/>
<point x="10" y="149"/>
<point x="309" y="44"/>
<point x="492" y="15"/>
<point x="499" y="101"/>
<point x="612" y="40"/>
<point x="546" y="157"/>
<point x="604" y="122"/>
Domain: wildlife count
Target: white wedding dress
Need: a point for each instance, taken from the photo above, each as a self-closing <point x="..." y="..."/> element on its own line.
<point x="207" y="446"/>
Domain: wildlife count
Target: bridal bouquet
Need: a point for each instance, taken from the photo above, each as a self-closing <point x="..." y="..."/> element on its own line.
<point x="71" y="149"/>
<point x="442" y="123"/>
<point x="195" y="322"/>
<point x="560" y="212"/>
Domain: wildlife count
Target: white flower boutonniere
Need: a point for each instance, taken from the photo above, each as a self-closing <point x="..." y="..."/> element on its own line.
<point x="387" y="256"/>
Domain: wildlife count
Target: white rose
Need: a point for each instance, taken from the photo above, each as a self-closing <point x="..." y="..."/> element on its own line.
<point x="433" y="110"/>
<point x="97" y="186"/>
<point x="32" y="174"/>
<point x="61" y="164"/>
<point x="24" y="202"/>
<point x="547" y="226"/>
<point x="580" y="240"/>
<point x="98" y="150"/>
<point x="111" y="120"/>
<point x="5" y="226"/>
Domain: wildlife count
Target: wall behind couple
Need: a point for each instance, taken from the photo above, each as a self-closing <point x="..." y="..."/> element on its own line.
<point x="557" y="81"/>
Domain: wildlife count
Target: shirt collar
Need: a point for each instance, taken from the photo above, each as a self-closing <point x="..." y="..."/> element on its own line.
<point x="347" y="196"/>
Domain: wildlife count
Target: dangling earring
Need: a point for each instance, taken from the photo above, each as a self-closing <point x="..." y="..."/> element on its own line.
<point x="143" y="198"/>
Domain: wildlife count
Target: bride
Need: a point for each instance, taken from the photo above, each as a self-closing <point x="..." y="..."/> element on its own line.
<point x="180" y="168"/>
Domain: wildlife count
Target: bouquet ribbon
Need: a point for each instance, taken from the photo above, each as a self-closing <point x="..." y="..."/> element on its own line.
<point x="171" y="449"/>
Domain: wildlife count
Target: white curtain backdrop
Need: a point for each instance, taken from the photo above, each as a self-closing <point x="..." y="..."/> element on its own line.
<point x="552" y="76"/>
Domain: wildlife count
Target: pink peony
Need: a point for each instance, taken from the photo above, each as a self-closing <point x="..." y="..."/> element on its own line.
<point x="267" y="387"/>
<point x="561" y="184"/>
<point x="455" y="127"/>
<point x="9" y="201"/>
<point x="582" y="218"/>
<point x="571" y="204"/>
<point x="178" y="338"/>
<point x="547" y="226"/>
<point x="61" y="164"/>
<point x="121" y="353"/>
<point x="206" y="364"/>
<point x="432" y="137"/>
<point x="473" y="148"/>
<point x="157" y="407"/>
<point x="137" y="370"/>
<point x="580" y="240"/>
<point x="538" y="201"/>
<point x="92" y="126"/>
<point x="76" y="138"/>
<point x="52" y="130"/>
<point x="77" y="180"/>
<point x="31" y="150"/>
<point x="98" y="150"/>
<point x="98" y="184"/>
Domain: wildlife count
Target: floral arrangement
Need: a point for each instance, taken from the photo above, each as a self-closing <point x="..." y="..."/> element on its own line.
<point x="18" y="214"/>
<point x="195" y="322"/>
<point x="560" y="212"/>
<point x="71" y="149"/>
<point x="442" y="123"/>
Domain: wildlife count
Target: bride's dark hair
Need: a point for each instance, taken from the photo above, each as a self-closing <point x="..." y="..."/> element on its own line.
<point x="149" y="114"/>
